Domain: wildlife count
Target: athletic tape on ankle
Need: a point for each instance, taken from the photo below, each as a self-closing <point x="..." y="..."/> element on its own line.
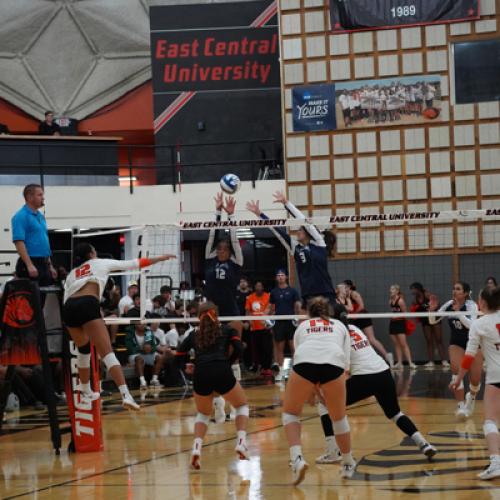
<point x="202" y="419"/>
<point x="461" y="386"/>
<point x="341" y="426"/>
<point x="243" y="411"/>
<point x="110" y="360"/>
<point x="322" y="409"/>
<point x="83" y="360"/>
<point x="490" y="427"/>
<point x="288" y="418"/>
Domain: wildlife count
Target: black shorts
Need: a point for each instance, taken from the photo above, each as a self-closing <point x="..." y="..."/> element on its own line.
<point x="329" y="296"/>
<point x="459" y="339"/>
<point x="318" y="374"/>
<point x="346" y="113"/>
<point x="213" y="377"/>
<point x="397" y="327"/>
<point x="361" y="323"/>
<point x="381" y="385"/>
<point x="80" y="310"/>
<point x="283" y="330"/>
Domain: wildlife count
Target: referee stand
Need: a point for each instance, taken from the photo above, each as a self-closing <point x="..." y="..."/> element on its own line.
<point x="24" y="341"/>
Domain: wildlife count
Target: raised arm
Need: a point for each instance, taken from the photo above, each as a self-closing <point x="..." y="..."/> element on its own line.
<point x="279" y="232"/>
<point x="237" y="256"/>
<point x="210" y="251"/>
<point x="130" y="265"/>
<point x="471" y="307"/>
<point x="434" y="320"/>
<point x="317" y="238"/>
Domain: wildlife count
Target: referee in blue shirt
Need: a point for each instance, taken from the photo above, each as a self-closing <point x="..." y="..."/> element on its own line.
<point x="30" y="236"/>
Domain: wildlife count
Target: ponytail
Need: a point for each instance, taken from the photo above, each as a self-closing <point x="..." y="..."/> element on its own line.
<point x="82" y="253"/>
<point x="340" y="313"/>
<point x="209" y="328"/>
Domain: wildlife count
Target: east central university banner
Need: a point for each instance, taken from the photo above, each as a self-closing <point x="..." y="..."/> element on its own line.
<point x="216" y="77"/>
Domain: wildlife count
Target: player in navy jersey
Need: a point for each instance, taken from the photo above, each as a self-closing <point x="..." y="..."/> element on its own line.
<point x="459" y="327"/>
<point x="284" y="300"/>
<point x="224" y="260"/>
<point x="310" y="252"/>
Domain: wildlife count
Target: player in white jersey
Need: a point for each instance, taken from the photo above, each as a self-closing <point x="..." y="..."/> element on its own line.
<point x="321" y="358"/>
<point x="370" y="376"/>
<point x="484" y="333"/>
<point x="81" y="314"/>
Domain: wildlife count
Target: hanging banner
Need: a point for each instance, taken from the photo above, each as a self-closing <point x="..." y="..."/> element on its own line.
<point x="313" y="108"/>
<point x="351" y="15"/>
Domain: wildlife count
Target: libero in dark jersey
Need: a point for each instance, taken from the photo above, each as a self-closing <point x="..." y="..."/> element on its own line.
<point x="310" y="252"/>
<point x="215" y="347"/>
<point x="224" y="260"/>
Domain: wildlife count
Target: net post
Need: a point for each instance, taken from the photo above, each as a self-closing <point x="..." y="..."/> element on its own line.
<point x="143" y="272"/>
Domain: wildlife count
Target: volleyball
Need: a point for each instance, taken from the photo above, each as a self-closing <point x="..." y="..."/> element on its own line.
<point x="431" y="113"/>
<point x="230" y="183"/>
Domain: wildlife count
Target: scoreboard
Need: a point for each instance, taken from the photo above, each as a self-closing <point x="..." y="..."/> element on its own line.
<point x="352" y="15"/>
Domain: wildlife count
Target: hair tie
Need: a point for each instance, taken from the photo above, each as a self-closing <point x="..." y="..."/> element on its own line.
<point x="210" y="313"/>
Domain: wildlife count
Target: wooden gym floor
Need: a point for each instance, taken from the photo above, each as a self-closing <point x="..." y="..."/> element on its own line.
<point x="147" y="455"/>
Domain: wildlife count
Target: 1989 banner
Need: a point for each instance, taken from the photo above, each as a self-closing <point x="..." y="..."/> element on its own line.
<point x="351" y="15"/>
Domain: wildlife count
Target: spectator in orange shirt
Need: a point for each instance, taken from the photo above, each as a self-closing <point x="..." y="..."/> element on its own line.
<point x="257" y="304"/>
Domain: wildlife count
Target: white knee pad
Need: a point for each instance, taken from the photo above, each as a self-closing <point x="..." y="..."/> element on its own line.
<point x="322" y="409"/>
<point x="288" y="418"/>
<point x="475" y="388"/>
<point x="397" y="416"/>
<point x="461" y="386"/>
<point x="83" y="360"/>
<point x="341" y="426"/>
<point x="490" y="427"/>
<point x="236" y="371"/>
<point x="202" y="419"/>
<point x="243" y="411"/>
<point x="110" y="360"/>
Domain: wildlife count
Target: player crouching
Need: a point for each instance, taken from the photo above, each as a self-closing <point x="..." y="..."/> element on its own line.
<point x="212" y="375"/>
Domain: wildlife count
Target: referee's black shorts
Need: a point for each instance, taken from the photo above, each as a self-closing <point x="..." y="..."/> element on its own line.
<point x="283" y="331"/>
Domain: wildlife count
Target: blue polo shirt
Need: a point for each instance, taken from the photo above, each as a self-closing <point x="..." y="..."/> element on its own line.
<point x="284" y="299"/>
<point x="29" y="226"/>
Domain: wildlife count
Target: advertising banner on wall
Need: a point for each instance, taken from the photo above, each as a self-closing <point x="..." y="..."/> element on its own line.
<point x="313" y="108"/>
<point x="351" y="15"/>
<point x="392" y="101"/>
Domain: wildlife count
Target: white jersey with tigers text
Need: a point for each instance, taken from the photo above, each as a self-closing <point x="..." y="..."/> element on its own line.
<point x="321" y="341"/>
<point x="364" y="359"/>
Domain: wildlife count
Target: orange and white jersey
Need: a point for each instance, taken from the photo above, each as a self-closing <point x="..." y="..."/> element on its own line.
<point x="97" y="271"/>
<point x="364" y="359"/>
<point x="485" y="333"/>
<point x="321" y="341"/>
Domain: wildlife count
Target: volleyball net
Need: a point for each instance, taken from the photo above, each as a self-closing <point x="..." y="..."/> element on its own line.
<point x="374" y="250"/>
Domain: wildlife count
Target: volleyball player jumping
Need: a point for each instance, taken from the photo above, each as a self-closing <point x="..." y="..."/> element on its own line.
<point x="459" y="326"/>
<point x="485" y="333"/>
<point x="370" y="376"/>
<point x="322" y="350"/>
<point x="213" y="375"/>
<point x="81" y="314"/>
<point x="310" y="252"/>
<point x="224" y="260"/>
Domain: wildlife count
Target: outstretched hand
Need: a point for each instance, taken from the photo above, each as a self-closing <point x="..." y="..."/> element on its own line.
<point x="279" y="197"/>
<point x="253" y="206"/>
<point x="230" y="205"/>
<point x="433" y="302"/>
<point x="168" y="256"/>
<point x="219" y="201"/>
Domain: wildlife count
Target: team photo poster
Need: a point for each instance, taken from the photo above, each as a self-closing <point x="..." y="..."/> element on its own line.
<point x="392" y="101"/>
